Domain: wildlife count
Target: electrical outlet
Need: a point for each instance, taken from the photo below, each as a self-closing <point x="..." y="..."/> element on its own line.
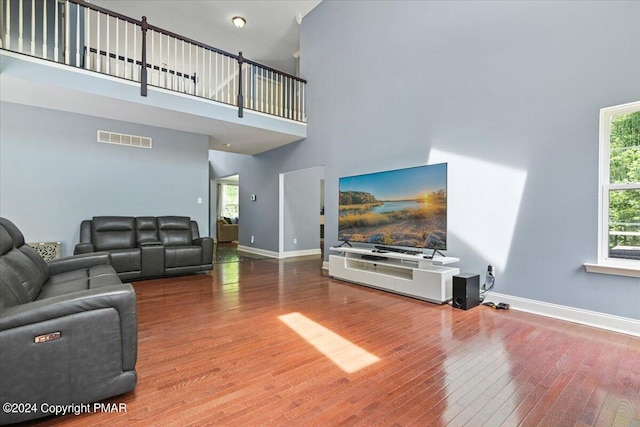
<point x="253" y="239"/>
<point x="295" y="241"/>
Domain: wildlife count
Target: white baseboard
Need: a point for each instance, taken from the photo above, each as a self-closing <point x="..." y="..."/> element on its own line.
<point x="623" y="325"/>
<point x="290" y="254"/>
<point x="325" y="266"/>
<point x="258" y="251"/>
<point x="281" y="255"/>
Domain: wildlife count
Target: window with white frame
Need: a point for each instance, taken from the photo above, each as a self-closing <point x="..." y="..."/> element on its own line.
<point x="619" y="195"/>
<point x="229" y="201"/>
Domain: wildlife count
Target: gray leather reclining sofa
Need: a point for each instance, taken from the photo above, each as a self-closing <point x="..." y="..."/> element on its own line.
<point x="144" y="247"/>
<point x="68" y="330"/>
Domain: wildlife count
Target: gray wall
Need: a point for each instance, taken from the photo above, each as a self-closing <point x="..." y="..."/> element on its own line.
<point x="54" y="174"/>
<point x="258" y="218"/>
<point x="301" y="209"/>
<point x="507" y="92"/>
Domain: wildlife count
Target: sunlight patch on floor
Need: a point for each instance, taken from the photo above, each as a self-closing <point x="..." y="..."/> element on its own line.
<point x="348" y="356"/>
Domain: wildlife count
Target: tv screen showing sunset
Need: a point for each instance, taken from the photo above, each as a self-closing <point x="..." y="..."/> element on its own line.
<point x="402" y="207"/>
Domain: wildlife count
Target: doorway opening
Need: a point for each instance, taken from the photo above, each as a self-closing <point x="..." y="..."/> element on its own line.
<point x="227" y="209"/>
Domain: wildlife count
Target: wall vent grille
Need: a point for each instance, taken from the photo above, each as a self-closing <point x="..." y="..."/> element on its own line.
<point x="124" y="139"/>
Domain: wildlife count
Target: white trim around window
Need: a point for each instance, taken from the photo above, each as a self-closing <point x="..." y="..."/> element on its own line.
<point x="606" y="264"/>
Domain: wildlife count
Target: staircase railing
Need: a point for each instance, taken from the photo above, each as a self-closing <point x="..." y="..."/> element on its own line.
<point x="80" y="34"/>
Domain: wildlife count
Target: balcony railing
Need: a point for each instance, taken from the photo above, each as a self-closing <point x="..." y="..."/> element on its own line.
<point x="624" y="240"/>
<point x="83" y="35"/>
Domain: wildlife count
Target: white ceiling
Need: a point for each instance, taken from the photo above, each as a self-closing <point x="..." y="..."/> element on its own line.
<point x="271" y="36"/>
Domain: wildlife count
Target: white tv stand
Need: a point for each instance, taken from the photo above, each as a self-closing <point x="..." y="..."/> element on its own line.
<point x="411" y="275"/>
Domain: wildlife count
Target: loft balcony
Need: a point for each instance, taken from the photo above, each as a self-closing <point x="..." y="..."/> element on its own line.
<point x="74" y="56"/>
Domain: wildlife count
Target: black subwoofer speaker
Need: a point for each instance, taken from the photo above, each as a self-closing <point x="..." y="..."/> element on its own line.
<point x="466" y="290"/>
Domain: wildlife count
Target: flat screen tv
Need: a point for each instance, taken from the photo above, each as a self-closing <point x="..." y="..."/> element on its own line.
<point x="397" y="208"/>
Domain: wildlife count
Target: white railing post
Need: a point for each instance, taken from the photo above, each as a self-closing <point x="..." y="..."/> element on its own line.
<point x="87" y="53"/>
<point x="234" y="100"/>
<point x="272" y="86"/>
<point x="246" y="85"/>
<point x="227" y="80"/>
<point x="125" y="71"/>
<point x="160" y="74"/>
<point x="2" y="22"/>
<point x="304" y="109"/>
<point x="252" y="74"/>
<point x="33" y="27"/>
<point x="202" y="79"/>
<point x="77" y="35"/>
<point x="153" y="52"/>
<point x="193" y="70"/>
<point x="56" y="51"/>
<point x="183" y="86"/>
<point x="107" y="57"/>
<point x="280" y="96"/>
<point x="286" y="97"/>
<point x="98" y="39"/>
<point x="210" y="75"/>
<point x="167" y="72"/>
<point x="117" y="47"/>
<point x="20" y="25"/>
<point x="134" y="66"/>
<point x="7" y="20"/>
<point x="262" y="79"/>
<point x="168" y="78"/>
<point x="215" y="80"/>
<point x="44" y="30"/>
<point x="67" y="32"/>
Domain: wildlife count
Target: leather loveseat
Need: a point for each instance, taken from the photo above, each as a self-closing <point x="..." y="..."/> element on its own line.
<point x="68" y="330"/>
<point x="144" y="247"/>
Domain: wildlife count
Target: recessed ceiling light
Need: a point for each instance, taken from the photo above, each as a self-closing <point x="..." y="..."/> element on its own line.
<point x="227" y="145"/>
<point x="238" y="21"/>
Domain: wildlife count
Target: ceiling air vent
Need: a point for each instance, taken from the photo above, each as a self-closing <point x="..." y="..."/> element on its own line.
<point x="124" y="139"/>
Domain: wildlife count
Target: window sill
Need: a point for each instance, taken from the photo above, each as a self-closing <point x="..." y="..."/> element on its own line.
<point x="615" y="269"/>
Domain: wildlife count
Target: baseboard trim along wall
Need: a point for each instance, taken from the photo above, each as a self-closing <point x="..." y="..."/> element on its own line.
<point x="258" y="251"/>
<point x="623" y="325"/>
<point x="306" y="252"/>
<point x="281" y="255"/>
<point x="609" y="322"/>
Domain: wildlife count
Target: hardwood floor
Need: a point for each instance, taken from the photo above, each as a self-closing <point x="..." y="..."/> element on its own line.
<point x="212" y="351"/>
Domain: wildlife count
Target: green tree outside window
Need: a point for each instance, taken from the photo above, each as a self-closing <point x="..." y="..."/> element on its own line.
<point x="624" y="168"/>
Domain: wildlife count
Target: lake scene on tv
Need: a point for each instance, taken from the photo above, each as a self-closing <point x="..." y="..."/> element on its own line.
<point x="402" y="207"/>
